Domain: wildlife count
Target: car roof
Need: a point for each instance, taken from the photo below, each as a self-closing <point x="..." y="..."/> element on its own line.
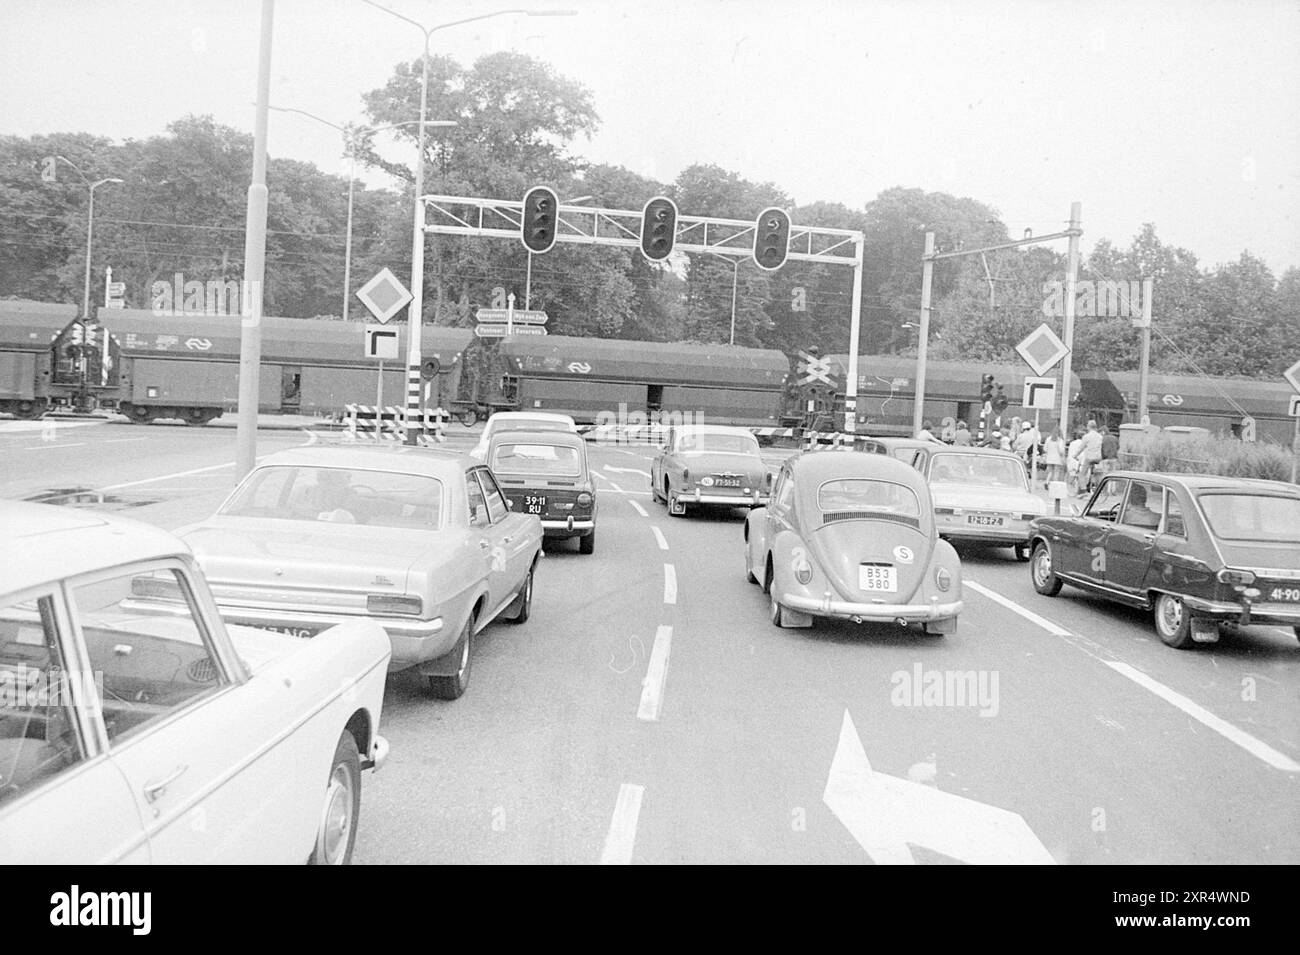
<point x="40" y="543"/>
<point x="562" y="438"/>
<point x="682" y="429"/>
<point x="399" y="458"/>
<point x="1213" y="482"/>
<point x="811" y="466"/>
<point x="505" y="416"/>
<point x="985" y="452"/>
<point x="899" y="442"/>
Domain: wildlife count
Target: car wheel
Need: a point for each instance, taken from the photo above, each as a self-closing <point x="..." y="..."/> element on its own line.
<point x="654" y="492"/>
<point x="775" y="612"/>
<point x="336" y="833"/>
<point x="1022" y="552"/>
<point x="525" y="599"/>
<point x="587" y="545"/>
<point x="452" y="687"/>
<point x="1040" y="571"/>
<point x="749" y="567"/>
<point x="1297" y="632"/>
<point x="1173" y="622"/>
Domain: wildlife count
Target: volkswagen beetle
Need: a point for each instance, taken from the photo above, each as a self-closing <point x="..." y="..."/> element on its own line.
<point x="852" y="536"/>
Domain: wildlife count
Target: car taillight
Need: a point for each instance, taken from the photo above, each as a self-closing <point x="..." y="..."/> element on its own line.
<point x="686" y="474"/>
<point x="1230" y="576"/>
<point x="802" y="570"/>
<point x="943" y="510"/>
<point x="584" y="499"/>
<point x="1029" y="517"/>
<point x="943" y="579"/>
<point x="393" y="603"/>
<point x="767" y="481"/>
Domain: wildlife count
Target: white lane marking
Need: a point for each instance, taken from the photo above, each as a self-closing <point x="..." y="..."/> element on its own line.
<point x="53" y="444"/>
<point x="1250" y="744"/>
<point x="617" y="489"/>
<point x="629" y="493"/>
<point x="656" y="674"/>
<point x="1011" y="605"/>
<point x="670" y="584"/>
<point x="610" y="467"/>
<point x="121" y="440"/>
<point x="639" y="509"/>
<point x="622" y="828"/>
<point x="166" y="477"/>
<point x="599" y="475"/>
<point x="15" y="428"/>
<point x="659" y="536"/>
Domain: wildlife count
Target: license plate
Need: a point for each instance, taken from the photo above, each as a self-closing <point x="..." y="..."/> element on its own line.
<point x="878" y="577"/>
<point x="986" y="520"/>
<point x="301" y="632"/>
<point x="534" y="504"/>
<point x="1286" y="595"/>
<point x="726" y="482"/>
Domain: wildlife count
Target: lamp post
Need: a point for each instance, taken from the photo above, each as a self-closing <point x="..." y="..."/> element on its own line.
<point x="351" y="141"/>
<point x="414" y="423"/>
<point x="735" y="274"/>
<point x="90" y="228"/>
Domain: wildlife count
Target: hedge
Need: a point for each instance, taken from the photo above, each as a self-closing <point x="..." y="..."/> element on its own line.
<point x="1226" y="456"/>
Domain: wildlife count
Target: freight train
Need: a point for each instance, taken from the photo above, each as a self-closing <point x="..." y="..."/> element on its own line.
<point x="149" y="367"/>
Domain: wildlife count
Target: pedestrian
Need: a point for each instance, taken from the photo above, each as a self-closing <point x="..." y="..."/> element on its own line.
<point x="1074" y="460"/>
<point x="1005" y="440"/>
<point x="949" y="431"/>
<point x="1054" y="451"/>
<point x="926" y="434"/>
<point x="961" y="437"/>
<point x="1090" y="456"/>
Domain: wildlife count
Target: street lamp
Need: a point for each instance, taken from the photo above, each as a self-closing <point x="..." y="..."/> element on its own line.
<point x="414" y="424"/>
<point x="90" y="229"/>
<point x="351" y="140"/>
<point x="735" y="274"/>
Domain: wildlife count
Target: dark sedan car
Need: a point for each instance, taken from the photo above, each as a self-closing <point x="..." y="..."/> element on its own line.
<point x="1197" y="550"/>
<point x="545" y="473"/>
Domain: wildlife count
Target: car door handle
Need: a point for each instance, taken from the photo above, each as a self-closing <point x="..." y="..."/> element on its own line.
<point x="484" y="545"/>
<point x="507" y="540"/>
<point x="1149" y="538"/>
<point x="156" y="790"/>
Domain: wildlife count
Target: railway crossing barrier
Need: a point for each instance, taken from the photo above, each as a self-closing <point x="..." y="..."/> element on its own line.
<point x="388" y="423"/>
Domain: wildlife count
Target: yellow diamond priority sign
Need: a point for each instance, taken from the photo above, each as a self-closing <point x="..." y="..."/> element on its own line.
<point x="1042" y="349"/>
<point x="1292" y="375"/>
<point x="384" y="295"/>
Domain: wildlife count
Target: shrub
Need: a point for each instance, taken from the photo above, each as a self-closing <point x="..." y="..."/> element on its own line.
<point x="1226" y="456"/>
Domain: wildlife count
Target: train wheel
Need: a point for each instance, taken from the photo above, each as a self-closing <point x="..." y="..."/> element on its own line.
<point x="28" y="410"/>
<point x="197" y="417"/>
<point x="140" y="415"/>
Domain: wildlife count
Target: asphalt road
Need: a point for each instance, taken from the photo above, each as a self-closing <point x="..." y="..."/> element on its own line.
<point x="649" y="713"/>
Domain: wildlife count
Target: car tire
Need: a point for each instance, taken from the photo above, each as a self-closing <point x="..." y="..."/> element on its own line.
<point x="336" y="832"/>
<point x="525" y="598"/>
<point x="775" y="612"/>
<point x="1297" y="632"/>
<point x="452" y="686"/>
<point x="1040" y="570"/>
<point x="587" y="544"/>
<point x="749" y="570"/>
<point x="1022" y="552"/>
<point x="1173" y="622"/>
<point x="654" y="493"/>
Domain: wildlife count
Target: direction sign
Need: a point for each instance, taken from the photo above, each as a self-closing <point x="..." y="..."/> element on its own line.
<point x="490" y="316"/>
<point x="1042" y="349"/>
<point x="499" y="331"/>
<point x="1292" y="375"/>
<point x="384" y="295"/>
<point x="1294" y="408"/>
<point x="381" y="342"/>
<point x="1040" y="394"/>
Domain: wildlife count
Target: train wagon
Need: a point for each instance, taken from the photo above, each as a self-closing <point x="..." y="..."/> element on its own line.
<point x="187" y="367"/>
<point x="612" y="381"/>
<point x="28" y="331"/>
<point x="887" y="390"/>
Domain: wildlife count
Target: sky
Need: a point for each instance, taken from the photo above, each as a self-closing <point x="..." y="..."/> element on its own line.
<point x="1181" y="113"/>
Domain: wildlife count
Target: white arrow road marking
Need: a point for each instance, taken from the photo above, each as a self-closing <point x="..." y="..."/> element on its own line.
<point x="1256" y="747"/>
<point x="622" y="828"/>
<point x="659" y="536"/>
<point x="610" y="467"/>
<point x="639" y="509"/>
<point x="1250" y="744"/>
<point x="670" y="584"/>
<point x="656" y="674"/>
<point x="885" y="814"/>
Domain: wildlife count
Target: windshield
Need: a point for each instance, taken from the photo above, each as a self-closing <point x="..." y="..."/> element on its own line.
<point x="862" y="495"/>
<point x="339" y="495"/>
<point x="718" y="443"/>
<point x="977" y="471"/>
<point x="528" y="424"/>
<point x="559" y="460"/>
<point x="1253" y="517"/>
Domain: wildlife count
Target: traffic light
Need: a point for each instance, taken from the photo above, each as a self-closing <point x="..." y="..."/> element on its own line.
<point x="771" y="238"/>
<point x="658" y="228"/>
<point x="986" y="389"/>
<point x="540" y="220"/>
<point x="999" y="400"/>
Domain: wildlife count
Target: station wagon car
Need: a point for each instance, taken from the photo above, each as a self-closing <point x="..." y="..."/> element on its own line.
<point x="715" y="465"/>
<point x="1196" y="550"/>
<point x="420" y="540"/>
<point x="852" y="536"/>
<point x="168" y="737"/>
<point x="545" y="473"/>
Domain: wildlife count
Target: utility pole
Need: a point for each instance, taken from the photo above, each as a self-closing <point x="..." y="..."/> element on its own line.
<point x="1071" y="280"/>
<point x="1144" y="373"/>
<point x="923" y="336"/>
<point x="855" y="320"/>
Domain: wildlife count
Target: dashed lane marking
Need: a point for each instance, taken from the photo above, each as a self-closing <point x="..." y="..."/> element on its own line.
<point x="639" y="509"/>
<point x="656" y="675"/>
<point x="670" y="584"/>
<point x="659" y="536"/>
<point x="621" y="838"/>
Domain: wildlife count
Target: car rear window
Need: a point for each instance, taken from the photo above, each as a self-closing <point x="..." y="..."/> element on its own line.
<point x="978" y="471"/>
<point x="721" y="443"/>
<point x="339" y="495"/>
<point x="860" y="494"/>
<point x="559" y="460"/>
<point x="1253" y="517"/>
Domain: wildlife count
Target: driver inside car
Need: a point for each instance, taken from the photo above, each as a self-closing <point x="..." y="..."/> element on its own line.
<point x="333" y="498"/>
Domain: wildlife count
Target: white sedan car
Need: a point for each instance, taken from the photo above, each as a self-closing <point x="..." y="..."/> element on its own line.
<point x="521" y="421"/>
<point x="164" y="736"/>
